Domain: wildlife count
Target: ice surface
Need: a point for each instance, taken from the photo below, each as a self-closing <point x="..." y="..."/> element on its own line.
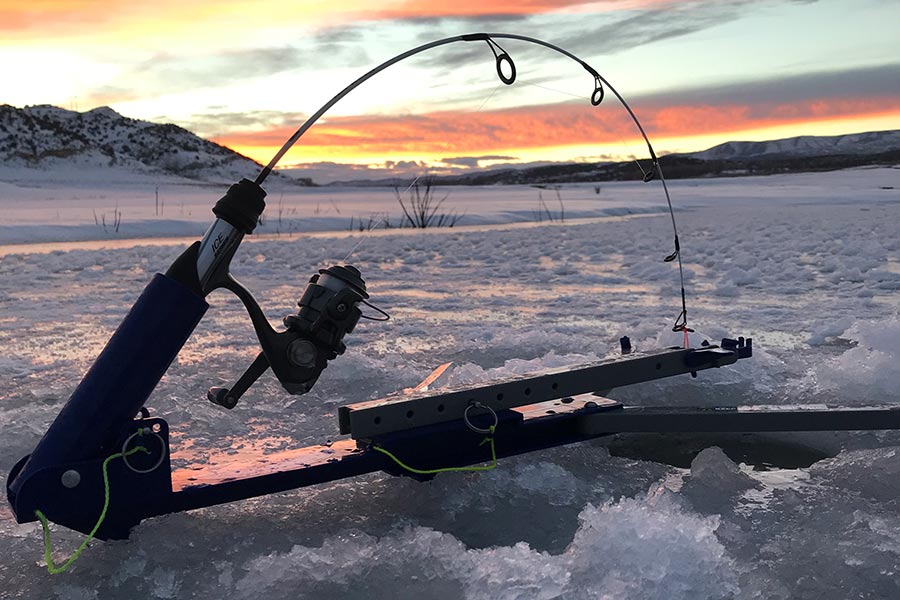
<point x="807" y="265"/>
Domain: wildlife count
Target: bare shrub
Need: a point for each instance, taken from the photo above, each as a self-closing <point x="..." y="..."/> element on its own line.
<point x="422" y="208"/>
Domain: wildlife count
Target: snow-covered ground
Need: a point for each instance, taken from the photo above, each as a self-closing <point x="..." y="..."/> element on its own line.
<point x="807" y="265"/>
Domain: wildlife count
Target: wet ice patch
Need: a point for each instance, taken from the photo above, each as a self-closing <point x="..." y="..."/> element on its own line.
<point x="15" y="367"/>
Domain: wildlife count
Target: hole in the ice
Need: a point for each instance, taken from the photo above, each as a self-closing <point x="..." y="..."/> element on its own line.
<point x="679" y="449"/>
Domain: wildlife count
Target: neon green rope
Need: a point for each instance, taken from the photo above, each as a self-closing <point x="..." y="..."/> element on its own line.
<point x="489" y="439"/>
<point x="52" y="568"/>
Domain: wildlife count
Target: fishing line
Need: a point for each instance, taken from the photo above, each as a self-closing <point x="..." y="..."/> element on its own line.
<point x="550" y="89"/>
<point x="354" y="249"/>
<point x="488" y="99"/>
<point x="414" y="181"/>
<point x="506" y="71"/>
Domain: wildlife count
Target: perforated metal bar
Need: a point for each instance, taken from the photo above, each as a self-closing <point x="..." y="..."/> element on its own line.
<point x="371" y="419"/>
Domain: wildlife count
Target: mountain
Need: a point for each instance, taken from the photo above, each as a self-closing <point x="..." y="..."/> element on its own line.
<point x="50" y="138"/>
<point x="791" y="155"/>
<point x="873" y="142"/>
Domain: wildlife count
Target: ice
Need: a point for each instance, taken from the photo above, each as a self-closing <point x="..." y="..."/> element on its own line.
<point x="853" y="469"/>
<point x="829" y="331"/>
<point x="715" y="481"/>
<point x="620" y="550"/>
<point x="807" y="265"/>
<point x="649" y="548"/>
<point x="867" y="370"/>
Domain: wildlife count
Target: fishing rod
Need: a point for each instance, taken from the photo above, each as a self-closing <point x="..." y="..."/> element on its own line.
<point x="504" y="61"/>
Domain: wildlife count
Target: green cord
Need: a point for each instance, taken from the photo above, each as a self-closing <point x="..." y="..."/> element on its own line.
<point x="52" y="568"/>
<point x="489" y="439"/>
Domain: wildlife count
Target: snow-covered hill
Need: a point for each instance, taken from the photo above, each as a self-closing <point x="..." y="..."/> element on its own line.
<point x="872" y="142"/>
<point x="45" y="138"/>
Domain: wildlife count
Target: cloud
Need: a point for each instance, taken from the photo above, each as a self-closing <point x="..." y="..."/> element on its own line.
<point x="177" y="72"/>
<point x="873" y="82"/>
<point x="172" y="73"/>
<point x="604" y="31"/>
<point x="474" y="161"/>
<point x="212" y="124"/>
<point x="685" y="113"/>
<point x="403" y="165"/>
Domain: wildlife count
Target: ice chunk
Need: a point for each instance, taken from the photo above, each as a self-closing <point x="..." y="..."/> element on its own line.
<point x="830" y="329"/>
<point x="648" y="548"/>
<point x="715" y="482"/>
<point x="872" y="473"/>
<point x="866" y="371"/>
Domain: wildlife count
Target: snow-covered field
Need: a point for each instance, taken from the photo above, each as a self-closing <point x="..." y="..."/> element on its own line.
<point x="807" y="265"/>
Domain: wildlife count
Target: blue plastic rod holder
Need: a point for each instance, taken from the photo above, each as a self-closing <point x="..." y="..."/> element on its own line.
<point x="100" y="414"/>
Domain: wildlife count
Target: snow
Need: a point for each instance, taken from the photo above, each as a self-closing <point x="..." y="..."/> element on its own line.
<point x="807" y="265"/>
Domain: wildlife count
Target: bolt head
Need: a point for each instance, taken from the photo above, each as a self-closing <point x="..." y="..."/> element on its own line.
<point x="70" y="478"/>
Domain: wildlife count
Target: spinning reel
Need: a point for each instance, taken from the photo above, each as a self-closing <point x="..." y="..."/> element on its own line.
<point x="329" y="309"/>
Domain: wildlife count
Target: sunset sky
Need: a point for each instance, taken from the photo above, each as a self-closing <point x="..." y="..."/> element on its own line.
<point x="246" y="74"/>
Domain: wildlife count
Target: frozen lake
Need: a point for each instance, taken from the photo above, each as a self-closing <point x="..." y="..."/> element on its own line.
<point x="808" y="265"/>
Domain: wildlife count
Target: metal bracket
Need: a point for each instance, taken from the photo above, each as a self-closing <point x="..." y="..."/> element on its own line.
<point x="366" y="420"/>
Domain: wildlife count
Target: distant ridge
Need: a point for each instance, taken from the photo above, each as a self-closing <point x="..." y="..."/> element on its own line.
<point x="732" y="159"/>
<point x="46" y="137"/>
<point x="873" y="142"/>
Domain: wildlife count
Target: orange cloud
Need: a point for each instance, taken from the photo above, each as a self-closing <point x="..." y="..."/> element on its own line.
<point x="476" y="8"/>
<point x="543" y="126"/>
<point x="88" y="18"/>
<point x="17" y="16"/>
